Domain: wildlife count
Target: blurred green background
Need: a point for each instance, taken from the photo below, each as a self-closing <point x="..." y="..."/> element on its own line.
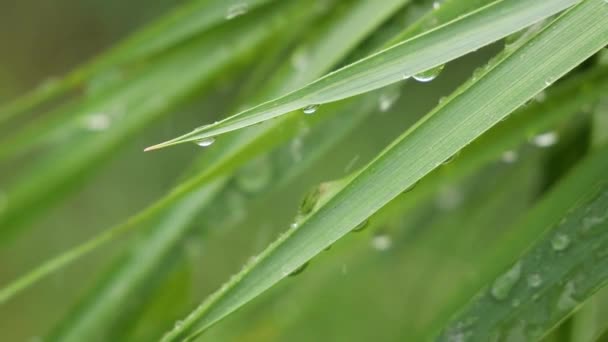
<point x="381" y="284"/>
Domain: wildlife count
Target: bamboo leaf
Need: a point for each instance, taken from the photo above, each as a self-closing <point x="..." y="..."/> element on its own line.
<point x="466" y="115"/>
<point x="404" y="60"/>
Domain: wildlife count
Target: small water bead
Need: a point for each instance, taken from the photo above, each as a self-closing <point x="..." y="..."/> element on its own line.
<point x="98" y="122"/>
<point x="535" y="280"/>
<point x="429" y="75"/>
<point x="237" y="10"/>
<point x="255" y="176"/>
<point x="548" y="82"/>
<point x="381" y="242"/>
<point x="311" y="109"/>
<point x="503" y="285"/>
<point x="560" y="242"/>
<point x="566" y="301"/>
<point x="299" y="270"/>
<point x="361" y="226"/>
<point x="310" y="201"/>
<point x="387" y="99"/>
<point x="436" y="5"/>
<point x="545" y="139"/>
<point x="205" y="142"/>
<point x="540" y="97"/>
<point x="410" y="188"/>
<point x="294" y="225"/>
<point x="509" y="157"/>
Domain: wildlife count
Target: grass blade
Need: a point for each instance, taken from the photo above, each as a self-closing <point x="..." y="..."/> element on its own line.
<point x="419" y="54"/>
<point x="450" y="127"/>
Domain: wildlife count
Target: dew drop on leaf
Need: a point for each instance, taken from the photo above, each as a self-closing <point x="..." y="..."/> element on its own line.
<point x="97" y="122"/>
<point x="566" y="300"/>
<point x="361" y="226"/>
<point x="429" y="75"/>
<point x="299" y="270"/>
<point x="310" y="109"/>
<point x="381" y="242"/>
<point x="205" y="142"/>
<point x="545" y="139"/>
<point x="535" y="280"/>
<point x="503" y="285"/>
<point x="237" y="10"/>
<point x="509" y="157"/>
<point x="560" y="242"/>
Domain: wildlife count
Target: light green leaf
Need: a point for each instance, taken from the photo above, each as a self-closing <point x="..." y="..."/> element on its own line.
<point x="452" y="126"/>
<point x="404" y="60"/>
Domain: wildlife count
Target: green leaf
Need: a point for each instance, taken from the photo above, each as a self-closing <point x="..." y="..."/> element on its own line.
<point x="567" y="42"/>
<point x="404" y="60"/>
<point x="130" y="107"/>
<point x="552" y="279"/>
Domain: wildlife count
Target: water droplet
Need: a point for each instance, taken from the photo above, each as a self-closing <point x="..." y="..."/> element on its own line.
<point x="449" y="198"/>
<point x="503" y="285"/>
<point x="590" y="222"/>
<point x="97" y="122"/>
<point x="410" y="188"/>
<point x="540" y="97"/>
<point x="560" y="242"/>
<point x="535" y="280"/>
<point x="566" y="301"/>
<point x="361" y="226"/>
<point x="255" y="175"/>
<point x="237" y="10"/>
<point x="299" y="270"/>
<point x="300" y="60"/>
<point x="310" y="201"/>
<point x="450" y="159"/>
<point x="294" y="225"/>
<point x="387" y="99"/>
<point x="429" y="75"/>
<point x="546" y="139"/>
<point x="205" y="142"/>
<point x="382" y="242"/>
<point x="509" y="157"/>
<point x="310" y="109"/>
<point x="549" y="82"/>
<point x="436" y="5"/>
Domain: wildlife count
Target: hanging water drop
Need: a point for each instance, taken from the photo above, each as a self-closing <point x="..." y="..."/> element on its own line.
<point x="97" y="122"/>
<point x="299" y="270"/>
<point x="535" y="280"/>
<point x="545" y="140"/>
<point x="361" y="226"/>
<point x="310" y="109"/>
<point x="387" y="99"/>
<point x="509" y="157"/>
<point x="237" y="10"/>
<point x="410" y="188"/>
<point x="566" y="301"/>
<point x="429" y="75"/>
<point x="503" y="285"/>
<point x="255" y="175"/>
<point x="540" y="97"/>
<point x="205" y="142"/>
<point x="310" y="201"/>
<point x="381" y="242"/>
<point x="560" y="242"/>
